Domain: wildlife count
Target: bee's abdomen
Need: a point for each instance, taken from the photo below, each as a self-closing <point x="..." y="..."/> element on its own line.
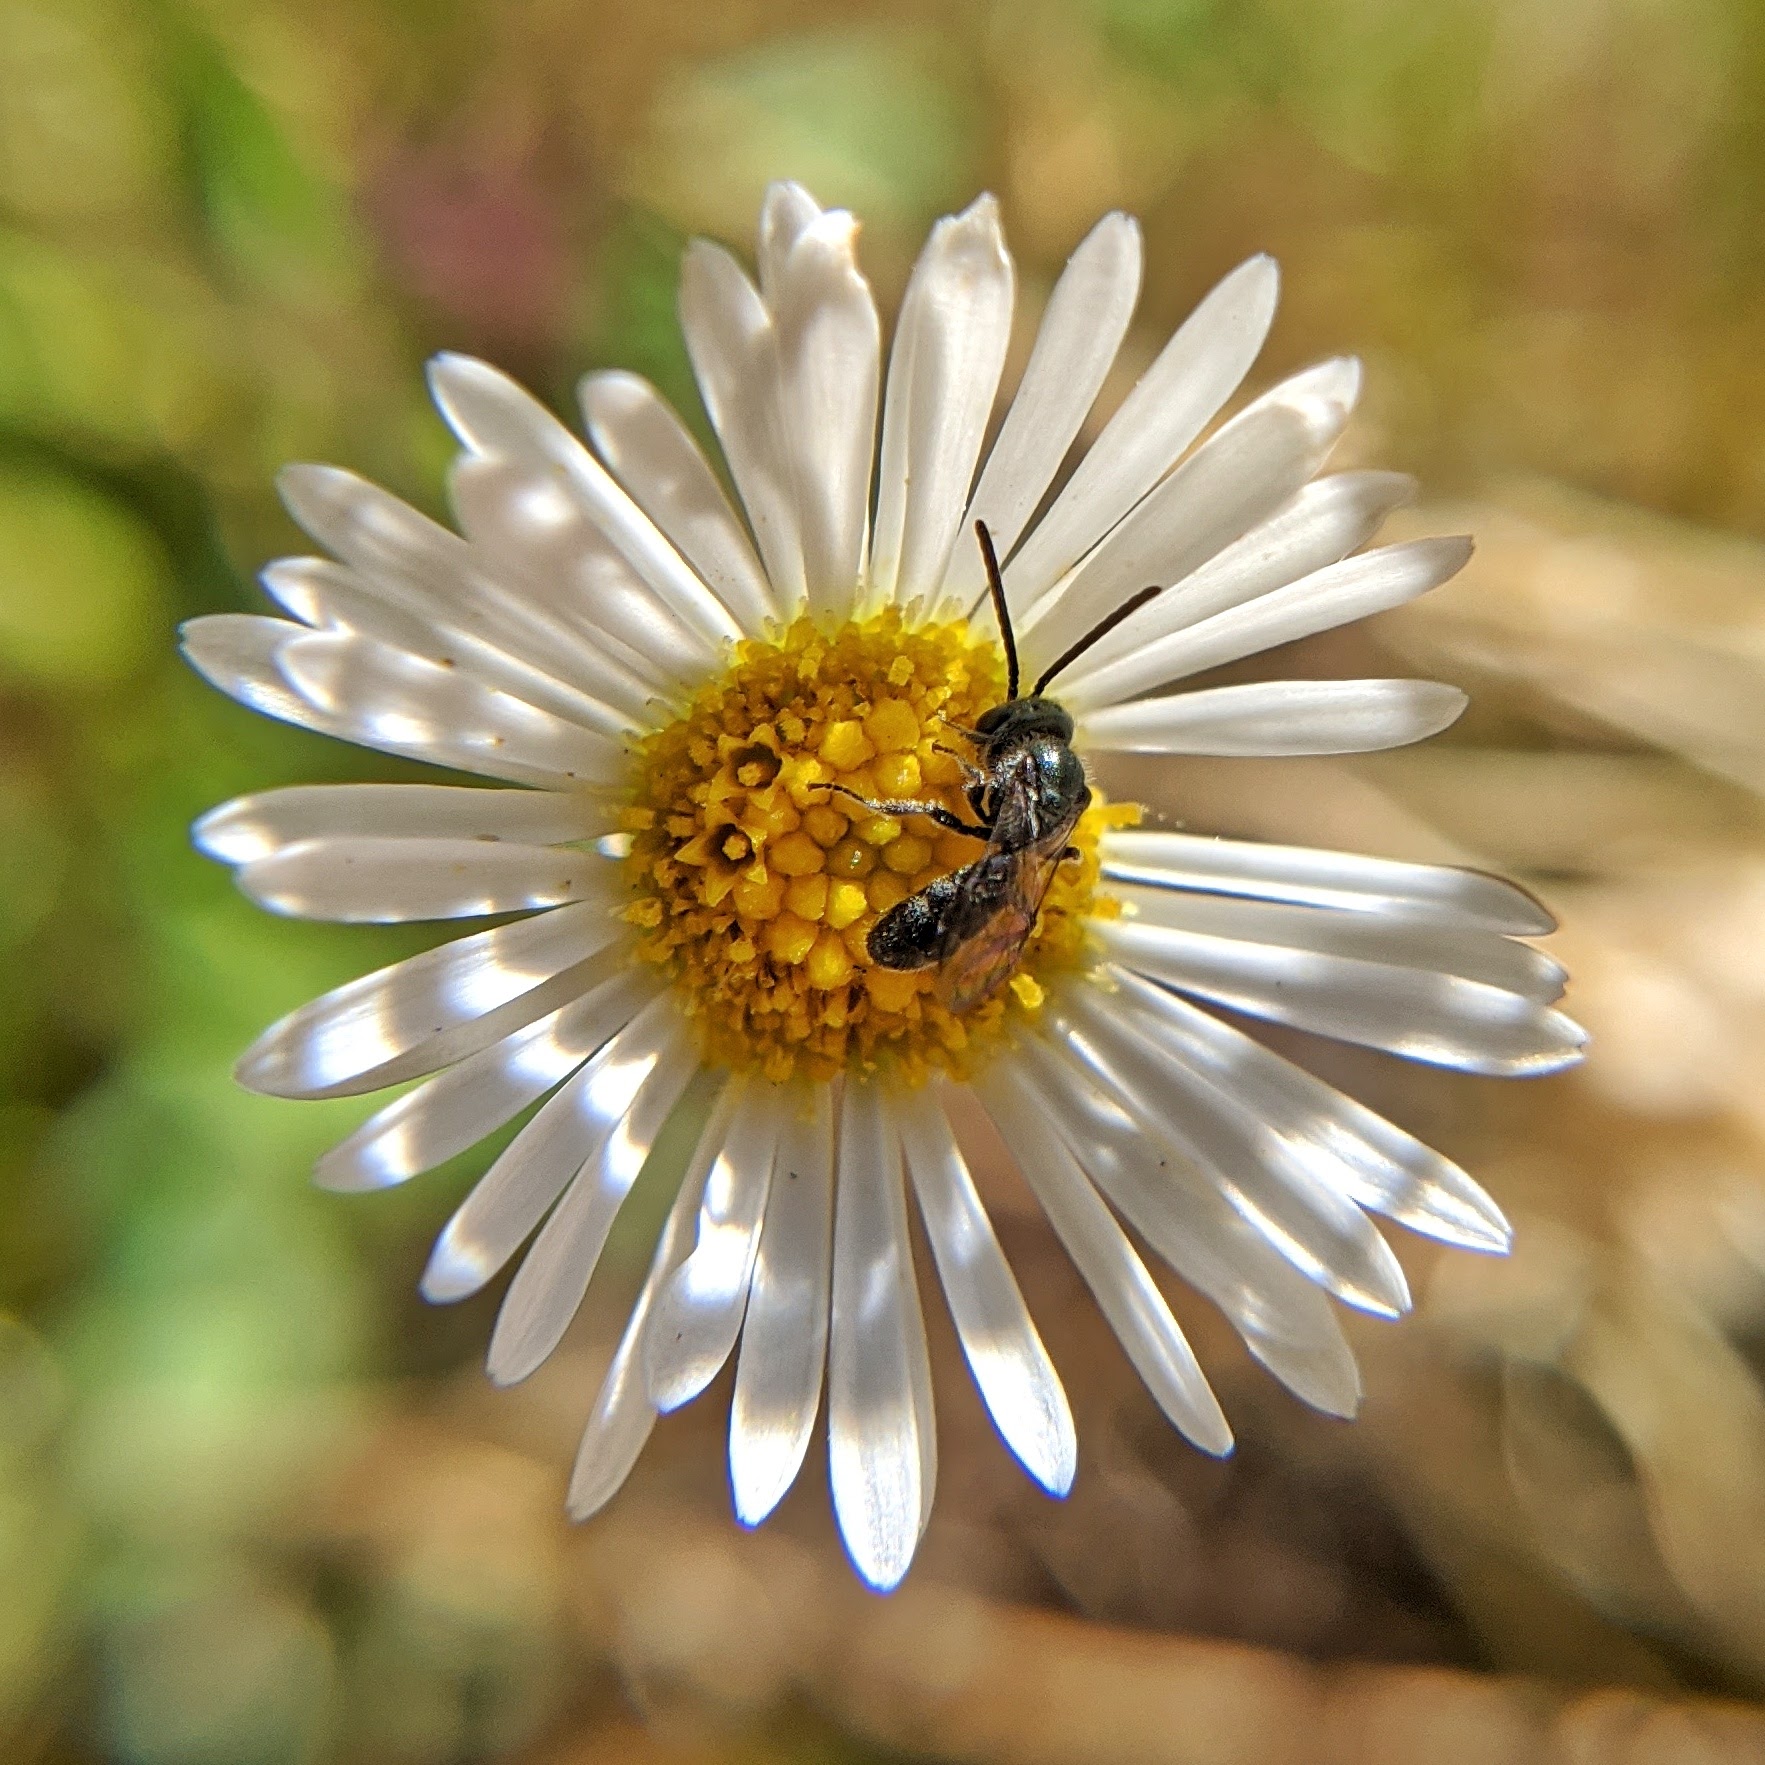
<point x="915" y="933"/>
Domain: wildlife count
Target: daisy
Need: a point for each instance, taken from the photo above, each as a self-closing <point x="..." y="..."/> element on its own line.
<point x="690" y="696"/>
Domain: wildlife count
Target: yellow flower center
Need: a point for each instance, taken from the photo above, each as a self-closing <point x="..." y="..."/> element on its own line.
<point x="757" y="884"/>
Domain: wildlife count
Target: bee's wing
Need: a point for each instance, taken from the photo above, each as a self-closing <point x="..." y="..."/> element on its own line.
<point x="984" y="962"/>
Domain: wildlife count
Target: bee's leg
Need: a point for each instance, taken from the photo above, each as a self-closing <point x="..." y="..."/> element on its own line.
<point x="971" y="773"/>
<point x="932" y="811"/>
<point x="968" y="735"/>
<point x="974" y="783"/>
<point x="1071" y="852"/>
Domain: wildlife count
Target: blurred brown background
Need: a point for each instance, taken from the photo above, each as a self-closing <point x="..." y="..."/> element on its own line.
<point x="257" y="1506"/>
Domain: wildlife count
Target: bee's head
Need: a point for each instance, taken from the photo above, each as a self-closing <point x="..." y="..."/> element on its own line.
<point x="1018" y="719"/>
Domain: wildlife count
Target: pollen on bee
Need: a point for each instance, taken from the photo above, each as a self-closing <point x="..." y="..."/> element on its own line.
<point x="755" y="884"/>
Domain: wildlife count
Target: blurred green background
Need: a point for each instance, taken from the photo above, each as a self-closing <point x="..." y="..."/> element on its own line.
<point x="254" y="1507"/>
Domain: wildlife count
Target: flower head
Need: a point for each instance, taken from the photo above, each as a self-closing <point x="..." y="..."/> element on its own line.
<point x="743" y="739"/>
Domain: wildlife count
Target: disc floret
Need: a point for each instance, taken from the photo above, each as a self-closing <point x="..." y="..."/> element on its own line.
<point x="757" y="882"/>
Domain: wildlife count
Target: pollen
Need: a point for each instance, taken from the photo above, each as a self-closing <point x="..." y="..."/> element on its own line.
<point x="755" y="883"/>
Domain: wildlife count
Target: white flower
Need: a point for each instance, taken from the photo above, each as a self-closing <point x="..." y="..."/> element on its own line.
<point x="676" y="689"/>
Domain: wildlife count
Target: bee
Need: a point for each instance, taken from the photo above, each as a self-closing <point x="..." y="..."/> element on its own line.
<point x="1026" y="789"/>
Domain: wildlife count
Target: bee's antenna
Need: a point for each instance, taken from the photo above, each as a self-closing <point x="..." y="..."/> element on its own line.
<point x="1102" y="628"/>
<point x="996" y="588"/>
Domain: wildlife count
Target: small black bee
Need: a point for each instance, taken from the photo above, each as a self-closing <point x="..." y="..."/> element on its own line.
<point x="1027" y="790"/>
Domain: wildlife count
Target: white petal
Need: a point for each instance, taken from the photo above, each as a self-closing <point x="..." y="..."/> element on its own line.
<point x="421" y="1014"/>
<point x="401" y="704"/>
<point x="416" y="586"/>
<point x="1109" y="1265"/>
<point x="1278" y="717"/>
<point x="734" y="349"/>
<point x="548" y="1288"/>
<point x="1354" y="589"/>
<point x="944" y="368"/>
<point x="1328" y="931"/>
<point x="1173" y="401"/>
<point x="919" y="1368"/>
<point x="249" y="828"/>
<point x="699" y="1315"/>
<point x="457" y="1108"/>
<point x="381" y="537"/>
<point x="1318" y="1229"/>
<point x="1311" y="876"/>
<point x="1329" y="518"/>
<point x="575" y="1127"/>
<point x="1086" y="318"/>
<point x="1233" y="482"/>
<point x="1286" y="1322"/>
<point x="1377" y="1164"/>
<point x="420" y="572"/>
<point x="880" y="1436"/>
<point x="784" y="1335"/>
<point x="332" y="596"/>
<point x="1017" y="1380"/>
<point x="653" y="454"/>
<point x="1440" y="1018"/>
<point x="829" y="347"/>
<point x="492" y="415"/>
<point x="367" y="880"/>
<point x="623" y="1415"/>
<point x="609" y="631"/>
<point x="785" y="211"/>
<point x="237" y="652"/>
